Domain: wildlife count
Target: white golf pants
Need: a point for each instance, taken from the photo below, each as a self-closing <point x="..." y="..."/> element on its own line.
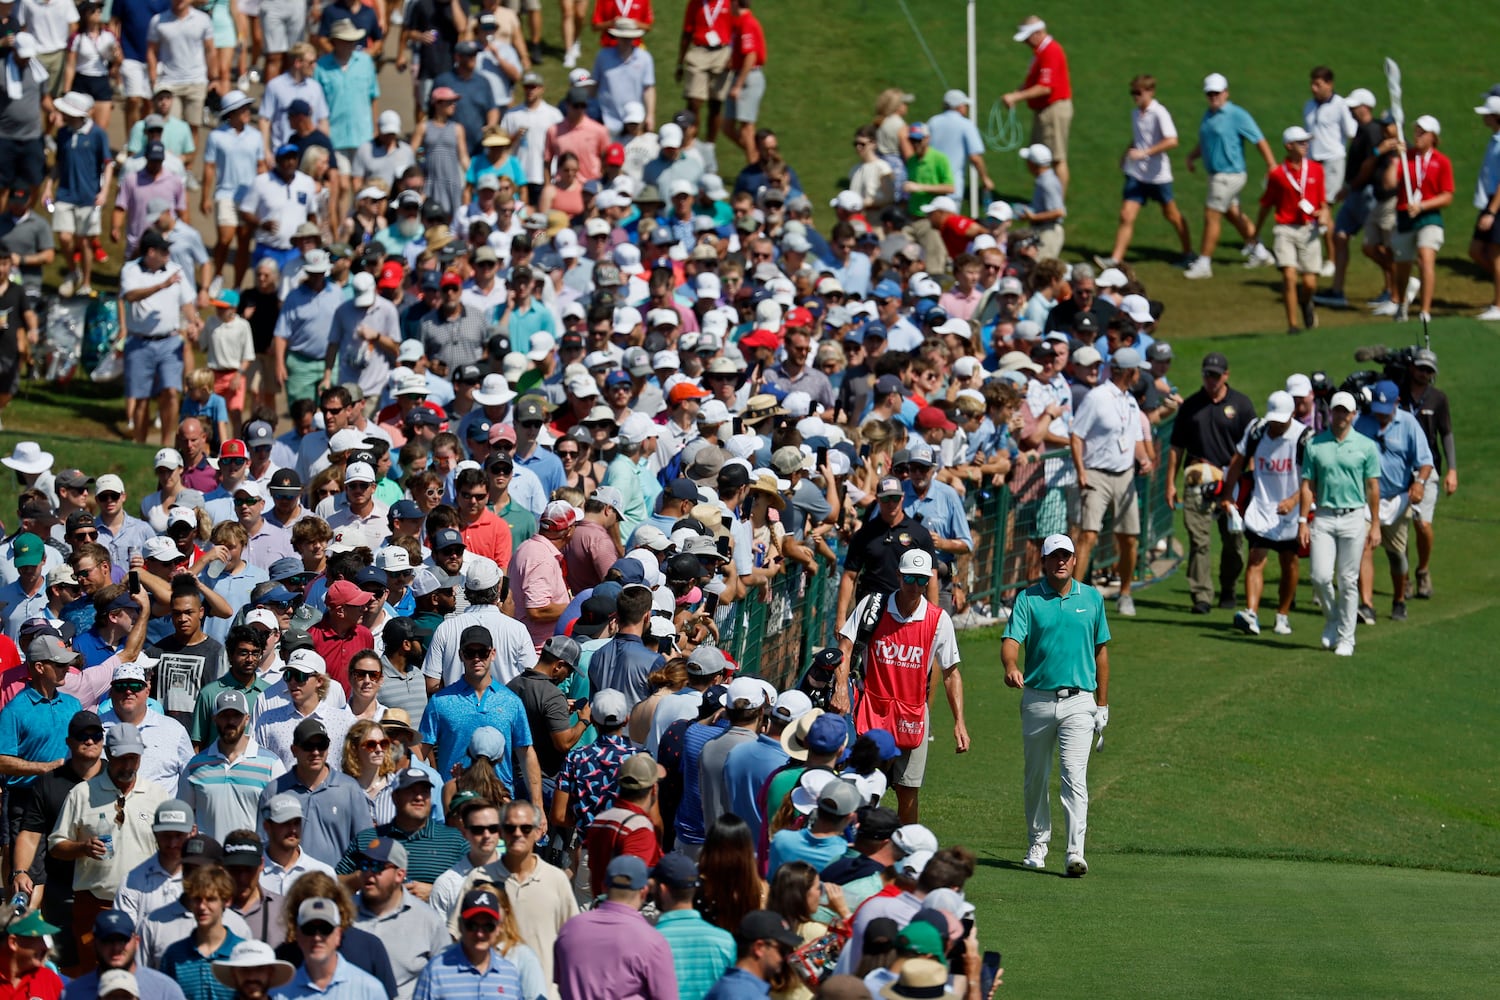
<point x="1062" y="725"/>
<point x="1338" y="543"/>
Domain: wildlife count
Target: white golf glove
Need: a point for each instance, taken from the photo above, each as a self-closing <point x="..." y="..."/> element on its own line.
<point x="1101" y="717"/>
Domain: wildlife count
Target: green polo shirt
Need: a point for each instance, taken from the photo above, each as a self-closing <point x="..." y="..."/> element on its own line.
<point x="202" y="729"/>
<point x="1338" y="469"/>
<point x="931" y="167"/>
<point x="522" y="521"/>
<point x="1059" y="634"/>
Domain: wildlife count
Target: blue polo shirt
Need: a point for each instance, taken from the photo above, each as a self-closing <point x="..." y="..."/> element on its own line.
<point x="1403" y="449"/>
<point x="745" y="772"/>
<point x="546" y="466"/>
<point x="451" y="974"/>
<point x="194" y="971"/>
<point x="1222" y="135"/>
<point x="941" y="512"/>
<point x="701" y="952"/>
<point x="349" y="983"/>
<point x="35" y="728"/>
<point x="455" y="712"/>
<point x="81" y="155"/>
<point x="738" y="984"/>
<point x="624" y="664"/>
<point x="1059" y="634"/>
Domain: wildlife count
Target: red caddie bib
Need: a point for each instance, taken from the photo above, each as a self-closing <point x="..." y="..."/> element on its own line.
<point x="898" y="666"/>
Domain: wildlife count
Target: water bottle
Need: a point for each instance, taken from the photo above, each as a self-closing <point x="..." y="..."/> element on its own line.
<point x="19" y="904"/>
<point x="1234" y="521"/>
<point x="109" y="847"/>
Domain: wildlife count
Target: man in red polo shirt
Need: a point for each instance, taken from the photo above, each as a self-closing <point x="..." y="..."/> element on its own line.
<point x="1047" y="91"/>
<point x="748" y="86"/>
<point x="1295" y="191"/>
<point x="23" y="961"/>
<point x="340" y="634"/>
<point x="606" y="12"/>
<point x="703" y="59"/>
<point x="956" y="230"/>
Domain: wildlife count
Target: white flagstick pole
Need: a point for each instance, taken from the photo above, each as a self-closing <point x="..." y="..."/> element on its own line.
<point x="1393" y="84"/>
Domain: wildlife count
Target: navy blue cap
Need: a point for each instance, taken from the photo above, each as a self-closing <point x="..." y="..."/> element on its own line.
<point x="298" y="107"/>
<point x="421" y="415"/>
<point x="406" y="510"/>
<point x="156" y="151"/>
<point x="448" y="537"/>
<point x="676" y="870"/>
<point x="479" y="430"/>
<point x="279" y="595"/>
<point x="431" y="281"/>
<point x="682" y="489"/>
<point x="874" y="329"/>
<point x="371" y="574"/>
<point x="113" y="924"/>
<point x="631" y="571"/>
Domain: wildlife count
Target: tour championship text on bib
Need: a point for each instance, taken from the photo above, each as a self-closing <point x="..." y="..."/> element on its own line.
<point x="897" y="667"/>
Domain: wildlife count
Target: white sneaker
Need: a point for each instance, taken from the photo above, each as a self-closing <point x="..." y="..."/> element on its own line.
<point x="216" y="286"/>
<point x="1077" y="867"/>
<point x="1328" y="269"/>
<point x="1260" y="255"/>
<point x="1036" y="857"/>
<point x="1491" y="314"/>
<point x="1249" y="248"/>
<point x="1200" y="268"/>
<point x="1330" y="636"/>
<point x="255" y="73"/>
<point x="570" y="58"/>
<point x="1425" y="317"/>
<point x="1247" y="622"/>
<point x="1344" y="649"/>
<point x="1125" y="606"/>
<point x="1413" y="286"/>
<point x="1402" y="315"/>
<point x="1388" y="308"/>
<point x="1283" y="625"/>
<point x="243" y="83"/>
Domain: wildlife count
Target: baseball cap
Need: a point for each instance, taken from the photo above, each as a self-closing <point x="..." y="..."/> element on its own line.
<point x="676" y="870"/>
<point x="1215" y="362"/>
<point x="1279" y="406"/>
<point x="283" y="808"/>
<point x="915" y="562"/>
<point x="1056" y="543"/>
<point x="318" y="910"/>
<point x="609" y="709"/>
<point x="1344" y="401"/>
<point x="1215" y="83"/>
<point x="1384" y="397"/>
<point x="173" y="816"/>
<point x="766" y="925"/>
<point x="1295" y="133"/>
<point x="638" y="772"/>
<point x="627" y="872"/>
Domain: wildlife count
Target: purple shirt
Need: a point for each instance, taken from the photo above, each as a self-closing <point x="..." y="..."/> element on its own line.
<point x="137" y="190"/>
<point x="612" y="953"/>
<point x="202" y="477"/>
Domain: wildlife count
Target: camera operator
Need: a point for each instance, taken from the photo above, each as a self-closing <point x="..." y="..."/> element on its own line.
<point x="1405" y="464"/>
<point x="1429" y="405"/>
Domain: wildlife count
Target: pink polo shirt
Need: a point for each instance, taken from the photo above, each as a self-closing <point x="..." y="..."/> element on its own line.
<point x="537" y="579"/>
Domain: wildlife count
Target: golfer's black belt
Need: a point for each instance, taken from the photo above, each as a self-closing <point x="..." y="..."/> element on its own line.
<point x="1068" y="692"/>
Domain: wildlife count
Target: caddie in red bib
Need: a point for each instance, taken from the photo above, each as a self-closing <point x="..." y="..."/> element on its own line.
<point x="898" y="638"/>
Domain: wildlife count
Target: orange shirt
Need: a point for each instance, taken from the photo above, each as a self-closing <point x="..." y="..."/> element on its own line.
<point x="489" y="536"/>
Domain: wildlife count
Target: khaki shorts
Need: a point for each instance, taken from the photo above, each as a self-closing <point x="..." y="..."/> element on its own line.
<point x="1224" y="191"/>
<point x="705" y="74"/>
<point x="1050" y="127"/>
<point x="1405" y="245"/>
<point x="909" y="769"/>
<point x="1298" y="247"/>
<point x="189" y="103"/>
<point x="1111" y="491"/>
<point x="84" y="220"/>
<point x="53" y="62"/>
<point x="1423" y="511"/>
<point x="1049" y="242"/>
<point x="226" y="212"/>
<point x="526" y="5"/>
<point x="1393" y="537"/>
<point x="1381" y="224"/>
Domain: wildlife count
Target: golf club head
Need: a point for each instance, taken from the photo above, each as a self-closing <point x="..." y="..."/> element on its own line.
<point x="1099" y="743"/>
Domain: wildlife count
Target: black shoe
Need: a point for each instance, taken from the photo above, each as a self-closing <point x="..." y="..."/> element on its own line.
<point x="1228" y="603"/>
<point x="534" y="49"/>
<point x="1398" y="611"/>
<point x="1366" y="615"/>
<point x="1309" y="315"/>
<point x="1201" y="608"/>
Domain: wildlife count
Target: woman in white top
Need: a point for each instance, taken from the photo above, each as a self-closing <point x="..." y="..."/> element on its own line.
<point x="872" y="180"/>
<point x="93" y="60"/>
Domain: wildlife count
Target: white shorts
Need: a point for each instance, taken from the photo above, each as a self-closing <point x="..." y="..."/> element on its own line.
<point x="283" y="24"/>
<point x="250" y="8"/>
<point x="1298" y="247"/>
<point x="136" y="82"/>
<point x="82" y="219"/>
<point x="1333" y="176"/>
<point x="1224" y="191"/>
<point x="226" y="211"/>
<point x="1405" y="245"/>
<point x="1423" y="511"/>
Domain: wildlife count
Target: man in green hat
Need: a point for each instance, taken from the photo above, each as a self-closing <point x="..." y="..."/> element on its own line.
<point x="26" y="596"/>
<point x="23" y="959"/>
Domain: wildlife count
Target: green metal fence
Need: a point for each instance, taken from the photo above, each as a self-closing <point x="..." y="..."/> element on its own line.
<point x="774" y="630"/>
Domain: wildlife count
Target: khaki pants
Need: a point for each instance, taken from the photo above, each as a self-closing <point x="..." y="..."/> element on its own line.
<point x="1200" y="529"/>
<point x="934" y="252"/>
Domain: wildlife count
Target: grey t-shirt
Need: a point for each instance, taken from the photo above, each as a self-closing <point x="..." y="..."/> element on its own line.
<point x="179" y="46"/>
<point x="22" y="119"/>
<point x="376" y="163"/>
<point x="807" y="502"/>
<point x="26" y="236"/>
<point x="1047" y="197"/>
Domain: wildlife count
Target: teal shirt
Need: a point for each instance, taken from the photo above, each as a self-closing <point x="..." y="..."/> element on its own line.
<point x="176" y="135"/>
<point x="1338" y="469"/>
<point x="621" y="473"/>
<point x="351" y="91"/>
<point x="701" y="952"/>
<point x="1059" y="634"/>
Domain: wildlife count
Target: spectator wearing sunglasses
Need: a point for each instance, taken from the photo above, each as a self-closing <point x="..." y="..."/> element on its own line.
<point x="413" y="933"/>
<point x="331" y="815"/>
<point x="479" y="821"/>
<point x="431" y="846"/>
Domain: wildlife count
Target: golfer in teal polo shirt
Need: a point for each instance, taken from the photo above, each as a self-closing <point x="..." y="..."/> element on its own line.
<point x="1065" y="698"/>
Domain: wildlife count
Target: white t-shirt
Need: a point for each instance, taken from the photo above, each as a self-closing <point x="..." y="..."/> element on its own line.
<point x="180" y="54"/>
<point x="1149" y="128"/>
<point x="48" y="21"/>
<point x="94" y="53"/>
<point x="1277" y="476"/>
<point x="874" y="182"/>
<point x="160" y="313"/>
<point x="531" y="148"/>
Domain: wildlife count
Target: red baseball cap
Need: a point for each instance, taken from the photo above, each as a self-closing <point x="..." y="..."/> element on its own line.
<point x="685" y="390"/>
<point x="614" y="155"/>
<point x="761" y="338"/>
<point x="929" y="417"/>
<point x="391" y="275"/>
<point x="344" y="592"/>
<point x="451" y="279"/>
<point x="233" y="448"/>
<point x="798" y="316"/>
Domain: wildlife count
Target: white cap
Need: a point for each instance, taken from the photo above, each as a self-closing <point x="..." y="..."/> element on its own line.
<point x="663" y="317"/>
<point x="389" y="123"/>
<point x="1137" y="308"/>
<point x="943" y="203"/>
<point x="713" y="411"/>
<point x="634" y="113"/>
<point x="359" y="472"/>
<point x="1038" y="154"/>
<point x="1295" y="133"/>
<point x="627" y="318"/>
<point x="1279" y="407"/>
<point x="1343" y="400"/>
<point x="167" y="458"/>
<point x="542" y="346"/>
<point x="1056" y="543"/>
<point x="708" y="286"/>
<point x="681" y="186"/>
<point x="1359" y="97"/>
<point x="307" y="661"/>
<point x="1000" y="211"/>
<point x="848" y="201"/>
<point x="1427" y="123"/>
<point x="670" y="136"/>
<point x="393" y="559"/>
<point x="1111" y="277"/>
<point x="1215" y="83"/>
<point x="1028" y="28"/>
<point x="1298" y="385"/>
<point x="955" y="99"/>
<point x="364" y="289"/>
<point x="746" y="689"/>
<point x="1491" y="106"/>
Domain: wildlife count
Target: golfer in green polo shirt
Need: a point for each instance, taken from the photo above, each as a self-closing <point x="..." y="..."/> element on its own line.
<point x="1341" y="474"/>
<point x="1065" y="698"/>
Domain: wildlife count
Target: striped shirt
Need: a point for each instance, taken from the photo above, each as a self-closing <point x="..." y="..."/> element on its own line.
<point x="701" y="952"/>
<point x="430" y="850"/>
<point x="350" y="982"/>
<point x="194" y="971"/>
<point x="453" y="977"/>
<point x="225" y="794"/>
